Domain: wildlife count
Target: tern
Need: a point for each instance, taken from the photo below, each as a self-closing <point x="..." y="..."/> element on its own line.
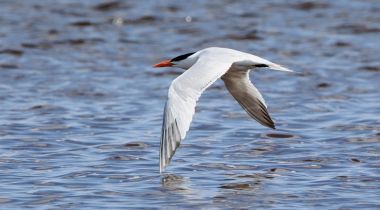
<point x="203" y="68"/>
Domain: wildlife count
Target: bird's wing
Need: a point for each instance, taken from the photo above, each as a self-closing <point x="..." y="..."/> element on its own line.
<point x="241" y="88"/>
<point x="180" y="106"/>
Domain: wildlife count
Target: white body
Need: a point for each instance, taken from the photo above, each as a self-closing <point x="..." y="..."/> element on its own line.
<point x="204" y="68"/>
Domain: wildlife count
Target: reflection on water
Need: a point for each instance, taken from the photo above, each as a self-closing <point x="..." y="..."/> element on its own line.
<point x="81" y="106"/>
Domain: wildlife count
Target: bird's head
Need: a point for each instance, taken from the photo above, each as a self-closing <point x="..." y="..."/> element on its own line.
<point x="184" y="61"/>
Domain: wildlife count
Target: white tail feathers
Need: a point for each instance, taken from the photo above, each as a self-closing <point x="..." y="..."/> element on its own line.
<point x="279" y="67"/>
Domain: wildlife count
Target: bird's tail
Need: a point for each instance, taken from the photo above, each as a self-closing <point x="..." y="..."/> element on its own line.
<point x="278" y="67"/>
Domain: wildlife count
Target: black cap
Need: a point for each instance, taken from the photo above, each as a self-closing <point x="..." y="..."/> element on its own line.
<point x="182" y="57"/>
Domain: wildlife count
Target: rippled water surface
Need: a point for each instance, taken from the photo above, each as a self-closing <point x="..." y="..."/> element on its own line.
<point x="81" y="106"/>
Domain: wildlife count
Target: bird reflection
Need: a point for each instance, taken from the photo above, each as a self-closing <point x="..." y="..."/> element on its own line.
<point x="173" y="182"/>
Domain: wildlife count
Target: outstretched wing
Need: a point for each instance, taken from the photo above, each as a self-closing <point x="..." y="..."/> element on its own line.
<point x="241" y="88"/>
<point x="180" y="106"/>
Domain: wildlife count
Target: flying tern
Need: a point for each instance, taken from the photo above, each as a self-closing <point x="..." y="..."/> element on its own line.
<point x="203" y="68"/>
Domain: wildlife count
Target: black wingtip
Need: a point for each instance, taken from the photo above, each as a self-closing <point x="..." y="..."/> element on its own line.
<point x="270" y="125"/>
<point x="261" y="65"/>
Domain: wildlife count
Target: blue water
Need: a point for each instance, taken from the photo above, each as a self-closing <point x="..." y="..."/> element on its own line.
<point x="81" y="106"/>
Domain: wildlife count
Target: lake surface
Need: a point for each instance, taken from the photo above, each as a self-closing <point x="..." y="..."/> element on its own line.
<point x="81" y="106"/>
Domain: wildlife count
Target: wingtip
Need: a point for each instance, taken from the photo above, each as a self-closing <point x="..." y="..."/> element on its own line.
<point x="273" y="126"/>
<point x="162" y="169"/>
<point x="162" y="165"/>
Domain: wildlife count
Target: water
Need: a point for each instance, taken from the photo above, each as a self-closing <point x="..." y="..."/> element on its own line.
<point x="81" y="106"/>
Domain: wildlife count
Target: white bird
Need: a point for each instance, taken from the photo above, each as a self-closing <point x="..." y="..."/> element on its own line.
<point x="203" y="68"/>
